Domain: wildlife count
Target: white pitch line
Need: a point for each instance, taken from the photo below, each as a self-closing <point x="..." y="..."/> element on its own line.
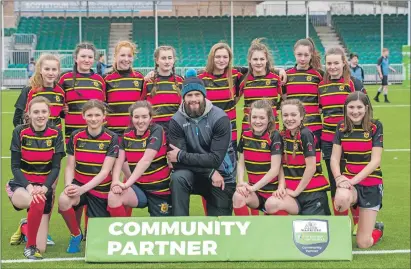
<point x="358" y="252"/>
<point x="389" y="106"/>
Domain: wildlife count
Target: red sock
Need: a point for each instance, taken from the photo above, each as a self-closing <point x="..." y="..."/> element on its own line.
<point x="355" y="212"/>
<point x="254" y="212"/>
<point x="129" y="211"/>
<point x="204" y="206"/>
<point x="281" y="213"/>
<point x="85" y="218"/>
<point x="24" y="229"/>
<point x="119" y="211"/>
<point x="33" y="221"/>
<point x="338" y="213"/>
<point x="69" y="217"/>
<point x="241" y="211"/>
<point x="376" y="235"/>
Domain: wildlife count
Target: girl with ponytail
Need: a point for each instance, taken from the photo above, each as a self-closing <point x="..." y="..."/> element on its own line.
<point x="302" y="185"/>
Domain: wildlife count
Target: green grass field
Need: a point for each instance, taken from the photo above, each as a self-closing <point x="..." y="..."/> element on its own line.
<point x="395" y="213"/>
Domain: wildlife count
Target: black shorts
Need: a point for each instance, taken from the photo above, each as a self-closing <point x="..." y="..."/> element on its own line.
<point x="11" y="187"/>
<point x="261" y="202"/>
<point x="326" y="149"/>
<point x="369" y="197"/>
<point x="384" y="81"/>
<point x="313" y="203"/>
<point x="158" y="205"/>
<point x="96" y="206"/>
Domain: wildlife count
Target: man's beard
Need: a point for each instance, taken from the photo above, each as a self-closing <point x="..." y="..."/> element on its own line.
<point x="197" y="112"/>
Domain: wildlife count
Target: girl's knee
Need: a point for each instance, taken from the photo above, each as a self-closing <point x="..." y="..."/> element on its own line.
<point x="364" y="241"/>
<point x="272" y="205"/>
<point x="114" y="200"/>
<point x="238" y="200"/>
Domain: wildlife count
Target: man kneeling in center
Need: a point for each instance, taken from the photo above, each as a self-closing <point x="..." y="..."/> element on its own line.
<point x="202" y="156"/>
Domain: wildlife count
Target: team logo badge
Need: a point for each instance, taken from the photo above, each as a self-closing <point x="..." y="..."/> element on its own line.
<point x="101" y="145"/>
<point x="81" y="144"/>
<point x="263" y="145"/>
<point x="366" y="134"/>
<point x="175" y="87"/>
<point x="267" y="82"/>
<point x="311" y="237"/>
<point x="381" y="138"/>
<point x="95" y="83"/>
<point x="136" y="83"/>
<point x="129" y="144"/>
<point x="277" y="146"/>
<point x="116" y="84"/>
<point x="48" y="142"/>
<point x="291" y="78"/>
<point x="76" y="84"/>
<point x="164" y="208"/>
<point x="309" y="78"/>
<point x="58" y="98"/>
<point x="28" y="142"/>
<point x="309" y="147"/>
<point x="144" y="143"/>
<point x="341" y="88"/>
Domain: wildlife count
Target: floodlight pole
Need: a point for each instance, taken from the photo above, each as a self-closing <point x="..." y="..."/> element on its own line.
<point x="232" y="26"/>
<point x="409" y="24"/>
<point x="382" y="26"/>
<point x="155" y="22"/>
<point x="307" y="28"/>
<point x="80" y="24"/>
<point x="3" y="63"/>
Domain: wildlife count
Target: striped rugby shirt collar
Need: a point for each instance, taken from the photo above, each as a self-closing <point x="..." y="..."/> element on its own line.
<point x="97" y="136"/>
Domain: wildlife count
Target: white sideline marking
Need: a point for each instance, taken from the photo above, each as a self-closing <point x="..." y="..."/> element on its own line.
<point x="358" y="252"/>
<point x="388" y="150"/>
<point x="390" y="106"/>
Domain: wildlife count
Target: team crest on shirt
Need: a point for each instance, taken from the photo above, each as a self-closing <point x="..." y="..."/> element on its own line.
<point x="95" y="83"/>
<point x="267" y="82"/>
<point x="28" y="142"/>
<point x="48" y="143"/>
<point x="58" y="98"/>
<point x="164" y="208"/>
<point x="144" y="143"/>
<point x="116" y="84"/>
<point x="366" y="134"/>
<point x="291" y="78"/>
<point x="101" y="145"/>
<point x="309" y="146"/>
<point x="81" y="144"/>
<point x="129" y="144"/>
<point x="263" y="145"/>
<point x="175" y="87"/>
<point x="277" y="146"/>
<point x="309" y="78"/>
<point x="341" y="88"/>
<point x="76" y="84"/>
<point x="136" y="83"/>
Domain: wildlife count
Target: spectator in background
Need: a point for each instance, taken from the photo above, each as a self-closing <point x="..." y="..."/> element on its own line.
<point x="101" y="66"/>
<point x="383" y="68"/>
<point x="356" y="70"/>
<point x="31" y="67"/>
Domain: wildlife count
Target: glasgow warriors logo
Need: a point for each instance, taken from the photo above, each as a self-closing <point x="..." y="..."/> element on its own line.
<point x="311" y="237"/>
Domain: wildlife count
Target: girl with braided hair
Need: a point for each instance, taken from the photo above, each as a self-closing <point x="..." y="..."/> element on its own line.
<point x="302" y="186"/>
<point x="164" y="89"/>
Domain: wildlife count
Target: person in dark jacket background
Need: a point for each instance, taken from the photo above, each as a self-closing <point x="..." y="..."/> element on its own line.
<point x="201" y="153"/>
<point x="101" y="66"/>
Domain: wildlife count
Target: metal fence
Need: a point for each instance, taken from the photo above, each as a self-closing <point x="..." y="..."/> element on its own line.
<point x="66" y="56"/>
<point x="17" y="77"/>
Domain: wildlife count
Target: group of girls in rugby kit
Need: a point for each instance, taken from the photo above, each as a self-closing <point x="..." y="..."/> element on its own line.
<point x="116" y="138"/>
